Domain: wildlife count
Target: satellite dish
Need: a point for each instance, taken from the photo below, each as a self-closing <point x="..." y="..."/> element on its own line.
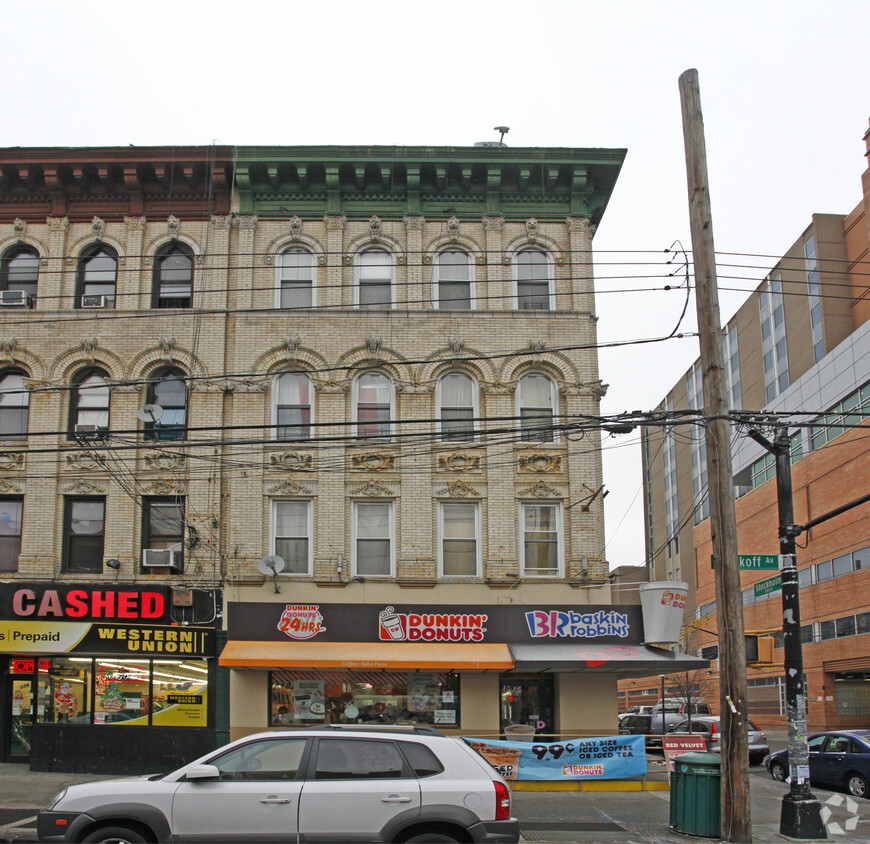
<point x="150" y="413"/>
<point x="272" y="565"/>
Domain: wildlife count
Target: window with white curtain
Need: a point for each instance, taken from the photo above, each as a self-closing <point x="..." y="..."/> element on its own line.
<point x="454" y="280"/>
<point x="90" y="400"/>
<point x="460" y="539"/>
<point x="291" y="535"/>
<point x="541" y="540"/>
<point x="374" y="279"/>
<point x="373" y="538"/>
<point x="456" y="397"/>
<point x="292" y="406"/>
<point x="533" y="277"/>
<point x="14" y="406"/>
<point x="374" y="406"/>
<point x="296" y="279"/>
<point x="537" y="408"/>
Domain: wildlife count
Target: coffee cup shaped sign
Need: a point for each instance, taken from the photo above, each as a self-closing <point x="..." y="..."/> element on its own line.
<point x="351" y="711"/>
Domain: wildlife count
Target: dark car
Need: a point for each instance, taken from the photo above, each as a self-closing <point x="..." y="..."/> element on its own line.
<point x="840" y="758"/>
<point x="639" y="725"/>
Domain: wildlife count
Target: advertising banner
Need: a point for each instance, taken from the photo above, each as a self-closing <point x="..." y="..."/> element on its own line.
<point x="610" y="757"/>
<point x="675" y="746"/>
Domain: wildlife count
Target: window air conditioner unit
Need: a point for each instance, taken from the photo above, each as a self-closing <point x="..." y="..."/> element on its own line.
<point x="15" y="299"/>
<point x="158" y="558"/>
<point x="90" y="430"/>
<point x="96" y="302"/>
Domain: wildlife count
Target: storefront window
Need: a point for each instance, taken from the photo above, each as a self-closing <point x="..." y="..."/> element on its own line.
<point x="306" y="698"/>
<point x="64" y="691"/>
<point x="179" y="693"/>
<point x="121" y="691"/>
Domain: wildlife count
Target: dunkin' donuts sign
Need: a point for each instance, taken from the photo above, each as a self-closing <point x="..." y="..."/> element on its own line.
<point x="301" y="621"/>
<point x="431" y="627"/>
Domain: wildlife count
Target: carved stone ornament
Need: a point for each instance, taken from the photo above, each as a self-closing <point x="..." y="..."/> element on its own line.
<point x="414" y="223"/>
<point x="11" y="461"/>
<point x="172" y="225"/>
<point x="10" y="488"/>
<point x="321" y="260"/>
<point x="373" y="461"/>
<point x="164" y="462"/>
<point x="332" y="385"/>
<point x="540" y="463"/>
<point x="7" y="349"/>
<point x="537" y="347"/>
<point x="459" y="462"/>
<point x="375" y="228"/>
<point x="166" y="345"/>
<point x="497" y="388"/>
<point x="334" y="223"/>
<point x="57" y="224"/>
<point x="453" y="227"/>
<point x="532" y="229"/>
<point x="84" y="487"/>
<point x="245" y="222"/>
<point x="89" y="346"/>
<point x="164" y="487"/>
<point x="577" y="224"/>
<point x="456" y="346"/>
<point x="540" y="490"/>
<point x="292" y="344"/>
<point x="290" y="488"/>
<point x="134" y="223"/>
<point x="492" y="224"/>
<point x="221" y="222"/>
<point x="596" y="389"/>
<point x="82" y="462"/>
<point x="372" y="489"/>
<point x="19" y="228"/>
<point x="373" y="344"/>
<point x="291" y="461"/>
<point x="457" y="489"/>
<point x="98" y="227"/>
<point x="295" y="227"/>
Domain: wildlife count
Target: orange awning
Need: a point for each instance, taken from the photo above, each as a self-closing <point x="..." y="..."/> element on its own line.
<point x="392" y="655"/>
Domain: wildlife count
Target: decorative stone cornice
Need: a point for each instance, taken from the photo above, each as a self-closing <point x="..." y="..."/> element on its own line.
<point x="57" y="224"/>
<point x="457" y="489"/>
<point x="540" y="490"/>
<point x="373" y="461"/>
<point x="84" y="461"/>
<point x="291" y="487"/>
<point x="539" y="462"/>
<point x="11" y="487"/>
<point x="459" y="462"/>
<point x="84" y="487"/>
<point x="222" y="222"/>
<point x="372" y="489"/>
<point x="11" y="461"/>
<point x="133" y="224"/>
<point x="245" y="222"/>
<point x="162" y="486"/>
<point x="578" y="224"/>
<point x="414" y="223"/>
<point x="164" y="461"/>
<point x="493" y="224"/>
<point x="335" y="222"/>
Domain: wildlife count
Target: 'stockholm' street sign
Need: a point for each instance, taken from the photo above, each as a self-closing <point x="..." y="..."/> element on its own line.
<point x="768" y="587"/>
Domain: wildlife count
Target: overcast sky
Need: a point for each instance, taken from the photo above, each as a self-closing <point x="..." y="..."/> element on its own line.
<point x="783" y="91"/>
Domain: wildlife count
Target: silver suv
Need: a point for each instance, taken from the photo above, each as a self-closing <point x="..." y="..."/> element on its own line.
<point x="710" y="728"/>
<point x="313" y="785"/>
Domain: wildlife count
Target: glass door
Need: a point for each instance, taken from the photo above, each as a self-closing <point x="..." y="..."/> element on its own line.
<point x="526" y="708"/>
<point x="20" y="697"/>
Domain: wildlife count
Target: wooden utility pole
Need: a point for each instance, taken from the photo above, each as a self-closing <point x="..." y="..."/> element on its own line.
<point x="736" y="814"/>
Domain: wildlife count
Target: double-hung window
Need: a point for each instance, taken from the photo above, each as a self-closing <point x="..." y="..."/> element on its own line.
<point x="537" y="408"/>
<point x="19" y="273"/>
<point x="167" y="389"/>
<point x="374" y="282"/>
<point x="457" y="407"/>
<point x="11" y="511"/>
<point x="173" y="277"/>
<point x="97" y="277"/>
<point x="460" y="539"/>
<point x="454" y="280"/>
<point x="83" y="534"/>
<point x="541" y="539"/>
<point x="296" y="279"/>
<point x="291" y="533"/>
<point x="533" y="275"/>
<point x="89" y="403"/>
<point x="374" y="406"/>
<point x="14" y="406"/>
<point x="292" y="392"/>
<point x="373" y="538"/>
<point x="163" y="526"/>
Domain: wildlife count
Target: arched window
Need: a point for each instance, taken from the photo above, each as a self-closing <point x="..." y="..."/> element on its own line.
<point x="97" y="277"/>
<point x="533" y="276"/>
<point x="89" y="403"/>
<point x="374" y="406"/>
<point x="374" y="279"/>
<point x="14" y="405"/>
<point x="456" y="397"/>
<point x="537" y="408"/>
<point x="296" y="279"/>
<point x="173" y="277"/>
<point x="19" y="273"/>
<point x="454" y="280"/>
<point x="292" y="406"/>
<point x="167" y="389"/>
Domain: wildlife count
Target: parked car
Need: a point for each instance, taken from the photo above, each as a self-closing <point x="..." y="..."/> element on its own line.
<point x="638" y="710"/>
<point x="631" y="724"/>
<point x="324" y="784"/>
<point x="840" y="758"/>
<point x="672" y="711"/>
<point x="709" y="727"/>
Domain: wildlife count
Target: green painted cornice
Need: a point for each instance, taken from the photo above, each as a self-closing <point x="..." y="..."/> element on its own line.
<point x="436" y="182"/>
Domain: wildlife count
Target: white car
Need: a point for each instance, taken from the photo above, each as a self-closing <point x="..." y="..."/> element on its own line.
<point x="313" y="785"/>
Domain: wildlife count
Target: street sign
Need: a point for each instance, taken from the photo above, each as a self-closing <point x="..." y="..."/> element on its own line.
<point x="768" y="587"/>
<point x="756" y="562"/>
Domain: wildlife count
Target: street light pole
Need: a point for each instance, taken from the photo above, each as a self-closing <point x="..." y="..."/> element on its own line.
<point x="800" y="816"/>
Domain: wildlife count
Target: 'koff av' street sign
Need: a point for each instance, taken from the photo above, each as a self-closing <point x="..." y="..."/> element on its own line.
<point x="756" y="562"/>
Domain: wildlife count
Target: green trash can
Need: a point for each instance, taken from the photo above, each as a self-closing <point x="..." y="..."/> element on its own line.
<point x="696" y="802"/>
